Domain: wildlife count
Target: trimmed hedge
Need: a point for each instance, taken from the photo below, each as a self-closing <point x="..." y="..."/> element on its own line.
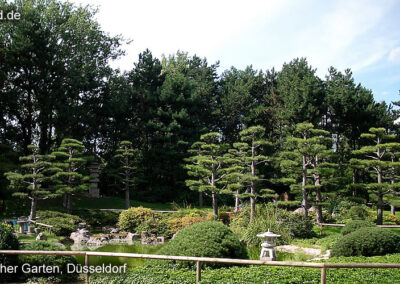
<point x="367" y="242"/>
<point x="205" y="239"/>
<point x="354" y="225"/>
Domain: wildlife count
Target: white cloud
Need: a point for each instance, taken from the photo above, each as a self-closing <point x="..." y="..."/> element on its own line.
<point x="394" y="55"/>
<point x="339" y="38"/>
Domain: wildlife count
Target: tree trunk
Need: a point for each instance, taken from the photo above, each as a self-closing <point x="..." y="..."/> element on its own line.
<point x="379" y="205"/>
<point x="32" y="215"/>
<point x="286" y="196"/>
<point x="215" y="203"/>
<point x="318" y="198"/>
<point x="4" y="205"/>
<point x="303" y="187"/>
<point x="127" y="198"/>
<point x="65" y="199"/>
<point x="237" y="201"/>
<point x="69" y="203"/>
<point x="392" y="210"/>
<point x="252" y="187"/>
<point x="200" y="199"/>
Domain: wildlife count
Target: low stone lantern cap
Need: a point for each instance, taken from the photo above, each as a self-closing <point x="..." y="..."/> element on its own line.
<point x="268" y="235"/>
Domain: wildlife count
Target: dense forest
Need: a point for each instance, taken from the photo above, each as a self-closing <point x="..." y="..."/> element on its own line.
<point x="167" y="117"/>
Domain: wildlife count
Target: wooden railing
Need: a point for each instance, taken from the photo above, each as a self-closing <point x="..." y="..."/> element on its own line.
<point x="200" y="260"/>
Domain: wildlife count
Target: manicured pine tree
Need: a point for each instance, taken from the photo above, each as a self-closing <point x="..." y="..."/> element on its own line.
<point x="377" y="159"/>
<point x="34" y="173"/>
<point x="209" y="166"/>
<point x="300" y="159"/>
<point x="239" y="177"/>
<point x="70" y="165"/>
<point x="253" y="136"/>
<point x="128" y="158"/>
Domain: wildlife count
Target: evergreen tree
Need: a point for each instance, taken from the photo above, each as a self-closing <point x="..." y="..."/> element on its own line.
<point x="8" y="162"/>
<point x="300" y="160"/>
<point x="70" y="175"/>
<point x="208" y="166"/>
<point x="301" y="92"/>
<point x="377" y="159"/>
<point x="253" y="136"/>
<point x="32" y="177"/>
<point x="128" y="158"/>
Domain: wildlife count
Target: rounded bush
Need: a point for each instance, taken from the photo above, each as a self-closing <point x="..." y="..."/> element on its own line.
<point x="61" y="226"/>
<point x="354" y="225"/>
<point x="367" y="241"/>
<point x="300" y="226"/>
<point x="49" y="260"/>
<point x="8" y="241"/>
<point x="206" y="239"/>
<point x="130" y="219"/>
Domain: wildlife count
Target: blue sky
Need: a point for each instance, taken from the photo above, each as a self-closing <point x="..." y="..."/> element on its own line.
<point x="362" y="35"/>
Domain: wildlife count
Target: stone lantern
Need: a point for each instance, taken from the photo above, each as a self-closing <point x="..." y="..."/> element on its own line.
<point x="268" y="246"/>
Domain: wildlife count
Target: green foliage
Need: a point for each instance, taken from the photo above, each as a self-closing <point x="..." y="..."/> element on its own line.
<point x="34" y="174"/>
<point x="367" y="242"/>
<point x="130" y="219"/>
<point x="49" y="260"/>
<point x="70" y="164"/>
<point x="205" y="239"/>
<point x="266" y="217"/>
<point x="128" y="159"/>
<point x="259" y="274"/>
<point x="8" y="241"/>
<point x="99" y="218"/>
<point x="299" y="226"/>
<point x="208" y="166"/>
<point x="355" y="225"/>
<point x="391" y="219"/>
<point x="43" y="215"/>
<point x="63" y="224"/>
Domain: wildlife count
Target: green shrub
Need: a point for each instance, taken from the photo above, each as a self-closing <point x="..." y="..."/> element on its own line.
<point x="367" y="241"/>
<point x="353" y="226"/>
<point x="8" y="241"/>
<point x="49" y="260"/>
<point x="391" y="219"/>
<point x="43" y="215"/>
<point x="177" y="224"/>
<point x="61" y="226"/>
<point x="156" y="225"/>
<point x="205" y="239"/>
<point x="130" y="219"/>
<point x="300" y="226"/>
<point x="99" y="218"/>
